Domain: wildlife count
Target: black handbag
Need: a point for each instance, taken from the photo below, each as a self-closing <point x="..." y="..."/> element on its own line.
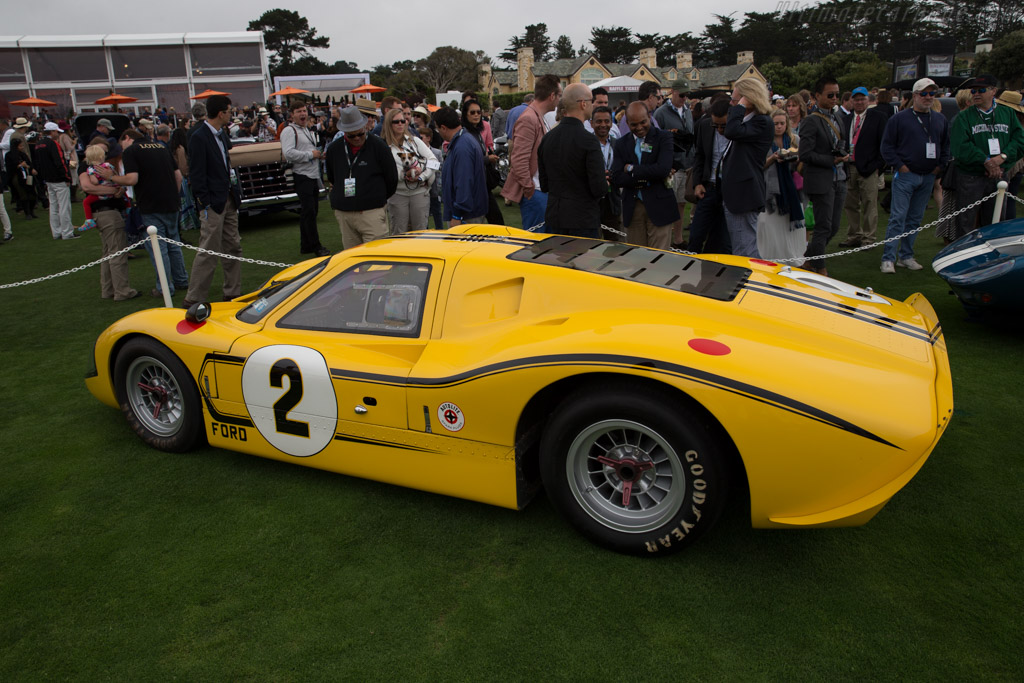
<point x="948" y="181"/>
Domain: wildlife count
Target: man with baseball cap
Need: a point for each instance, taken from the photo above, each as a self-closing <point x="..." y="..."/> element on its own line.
<point x="916" y="144"/>
<point x="362" y="174"/>
<point x="987" y="140"/>
<point x="53" y="169"/>
<point x="104" y="129"/>
<point x="864" y="131"/>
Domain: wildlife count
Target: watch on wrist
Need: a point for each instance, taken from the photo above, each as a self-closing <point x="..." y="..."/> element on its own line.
<point x="1003" y="156"/>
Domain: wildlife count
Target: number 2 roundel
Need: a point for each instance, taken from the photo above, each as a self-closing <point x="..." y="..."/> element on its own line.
<point x="290" y="397"/>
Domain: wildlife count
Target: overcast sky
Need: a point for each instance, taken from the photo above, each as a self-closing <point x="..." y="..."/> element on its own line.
<point x="371" y="33"/>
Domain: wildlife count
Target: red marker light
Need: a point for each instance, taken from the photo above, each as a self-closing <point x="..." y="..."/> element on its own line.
<point x="709" y="347"/>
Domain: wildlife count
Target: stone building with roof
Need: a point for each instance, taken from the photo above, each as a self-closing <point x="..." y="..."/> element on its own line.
<point x="588" y="69"/>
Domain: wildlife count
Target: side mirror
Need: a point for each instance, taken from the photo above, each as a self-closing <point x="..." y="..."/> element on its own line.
<point x="197" y="312"/>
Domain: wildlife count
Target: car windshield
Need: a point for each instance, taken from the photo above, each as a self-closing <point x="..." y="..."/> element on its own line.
<point x="276" y="292"/>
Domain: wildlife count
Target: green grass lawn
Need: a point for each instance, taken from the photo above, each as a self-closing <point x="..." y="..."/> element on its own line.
<point x="118" y="562"/>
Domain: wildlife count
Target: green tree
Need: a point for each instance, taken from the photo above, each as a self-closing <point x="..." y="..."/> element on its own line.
<point x="563" y="48"/>
<point x="451" y="67"/>
<point x="343" y="67"/>
<point x="287" y="35"/>
<point x="718" y="42"/>
<point x="613" y="45"/>
<point x="1006" y="61"/>
<point x="535" y="36"/>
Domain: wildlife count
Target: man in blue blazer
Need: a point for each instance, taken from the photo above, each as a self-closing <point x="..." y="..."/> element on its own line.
<point x="643" y="163"/>
<point x="215" y="188"/>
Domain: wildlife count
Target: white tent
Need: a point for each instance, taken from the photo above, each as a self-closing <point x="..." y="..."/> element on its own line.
<point x="618" y="84"/>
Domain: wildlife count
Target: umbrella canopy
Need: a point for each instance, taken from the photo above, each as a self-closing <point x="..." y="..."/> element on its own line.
<point x="290" y="91"/>
<point x="368" y="87"/>
<point x="208" y="93"/>
<point x="114" y="98"/>
<point x="432" y="107"/>
<point x="34" y="102"/>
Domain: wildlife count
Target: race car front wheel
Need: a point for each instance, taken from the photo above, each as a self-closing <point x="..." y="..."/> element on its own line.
<point x="158" y="396"/>
<point x="633" y="470"/>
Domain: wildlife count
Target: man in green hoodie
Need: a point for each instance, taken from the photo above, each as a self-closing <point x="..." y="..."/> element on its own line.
<point x="986" y="140"/>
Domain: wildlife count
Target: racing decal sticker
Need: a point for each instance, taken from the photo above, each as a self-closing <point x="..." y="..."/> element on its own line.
<point x="450" y="416"/>
<point x="290" y="396"/>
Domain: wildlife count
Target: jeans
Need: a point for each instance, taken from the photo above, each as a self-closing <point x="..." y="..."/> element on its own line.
<point x="533" y="209"/>
<point x="910" y="193"/>
<point x="708" y="234"/>
<point x="174" y="263"/>
<point x="828" y="213"/>
<point x="309" y="206"/>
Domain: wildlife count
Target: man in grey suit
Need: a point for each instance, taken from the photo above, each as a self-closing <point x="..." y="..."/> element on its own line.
<point x="823" y="153"/>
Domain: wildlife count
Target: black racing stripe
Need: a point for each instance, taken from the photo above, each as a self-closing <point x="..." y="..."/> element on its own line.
<point x="844" y="309"/>
<point x="492" y="239"/>
<point x="378" y="442"/>
<point x="221" y="417"/>
<point x="634" y="362"/>
<point x="224" y="358"/>
<point x="369" y="377"/>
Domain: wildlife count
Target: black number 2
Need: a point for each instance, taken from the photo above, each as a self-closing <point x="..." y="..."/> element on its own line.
<point x="291" y="398"/>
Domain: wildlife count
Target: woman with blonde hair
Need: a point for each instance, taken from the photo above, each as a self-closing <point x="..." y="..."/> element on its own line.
<point x="409" y="206"/>
<point x="748" y="129"/>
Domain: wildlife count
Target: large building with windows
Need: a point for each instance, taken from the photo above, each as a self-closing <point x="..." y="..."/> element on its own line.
<point x="159" y="70"/>
<point x="588" y="69"/>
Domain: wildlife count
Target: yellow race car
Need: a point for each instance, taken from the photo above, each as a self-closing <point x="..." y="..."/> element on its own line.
<point x="638" y="386"/>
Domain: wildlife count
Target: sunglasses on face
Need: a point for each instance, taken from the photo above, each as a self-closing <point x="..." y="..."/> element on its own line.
<point x="397" y="121"/>
<point x="718" y="126"/>
<point x="475" y="112"/>
<point x="930" y="93"/>
<point x="978" y="91"/>
<point x="831" y="95"/>
<point x="354" y="136"/>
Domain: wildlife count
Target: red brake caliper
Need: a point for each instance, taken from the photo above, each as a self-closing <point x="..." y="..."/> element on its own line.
<point x="628" y="470"/>
<point x="160" y="394"/>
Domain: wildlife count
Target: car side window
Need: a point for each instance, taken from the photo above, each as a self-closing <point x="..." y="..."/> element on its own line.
<point x="375" y="297"/>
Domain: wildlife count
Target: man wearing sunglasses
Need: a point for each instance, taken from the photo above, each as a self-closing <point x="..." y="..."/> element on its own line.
<point x="916" y="144"/>
<point x="362" y="174"/>
<point x="987" y="140"/>
<point x="823" y="146"/>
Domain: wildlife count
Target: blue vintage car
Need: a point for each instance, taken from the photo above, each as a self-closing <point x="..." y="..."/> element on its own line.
<point x="985" y="268"/>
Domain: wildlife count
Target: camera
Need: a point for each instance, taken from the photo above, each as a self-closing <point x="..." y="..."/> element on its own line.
<point x="840" y="149"/>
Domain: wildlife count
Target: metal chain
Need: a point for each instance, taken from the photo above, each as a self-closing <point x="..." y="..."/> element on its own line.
<point x="75" y="269"/>
<point x="620" y="233"/>
<point x="133" y="246"/>
<point x="243" y="259"/>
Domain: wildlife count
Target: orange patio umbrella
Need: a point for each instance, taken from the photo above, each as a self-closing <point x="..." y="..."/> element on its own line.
<point x="367" y="88"/>
<point x="115" y="99"/>
<point x="432" y="107"/>
<point x="290" y="91"/>
<point x="34" y="102"/>
<point x="208" y="93"/>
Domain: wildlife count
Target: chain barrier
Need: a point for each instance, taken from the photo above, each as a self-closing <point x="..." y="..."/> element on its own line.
<point x="130" y="247"/>
<point x="620" y="233"/>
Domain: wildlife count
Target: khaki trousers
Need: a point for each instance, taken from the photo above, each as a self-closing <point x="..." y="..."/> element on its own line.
<point x="113" y="273"/>
<point x="862" y="206"/>
<point x="358" y="227"/>
<point x="643" y="232"/>
<point x="217" y="232"/>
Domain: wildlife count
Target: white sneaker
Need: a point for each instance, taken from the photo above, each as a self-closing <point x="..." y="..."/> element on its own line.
<point x="909" y="264"/>
<point x="888" y="267"/>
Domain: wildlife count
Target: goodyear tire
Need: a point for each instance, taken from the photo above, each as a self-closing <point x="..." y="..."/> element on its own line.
<point x="158" y="396"/>
<point x="633" y="471"/>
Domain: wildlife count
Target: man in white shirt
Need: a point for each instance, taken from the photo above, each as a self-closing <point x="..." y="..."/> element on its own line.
<point x="298" y="145"/>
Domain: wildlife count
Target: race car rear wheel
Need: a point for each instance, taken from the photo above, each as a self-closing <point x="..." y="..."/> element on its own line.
<point x="633" y="471"/>
<point x="158" y="396"/>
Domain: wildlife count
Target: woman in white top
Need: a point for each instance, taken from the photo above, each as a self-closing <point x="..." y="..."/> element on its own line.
<point x="409" y="206"/>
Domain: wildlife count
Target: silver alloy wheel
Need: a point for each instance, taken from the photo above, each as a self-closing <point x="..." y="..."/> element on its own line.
<point x="625" y="475"/>
<point x="154" y="396"/>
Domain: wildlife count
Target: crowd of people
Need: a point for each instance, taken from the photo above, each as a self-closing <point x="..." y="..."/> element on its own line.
<point x="766" y="175"/>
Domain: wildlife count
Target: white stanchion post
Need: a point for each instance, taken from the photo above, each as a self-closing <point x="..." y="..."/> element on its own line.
<point x="997" y="213"/>
<point x="160" y="272"/>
